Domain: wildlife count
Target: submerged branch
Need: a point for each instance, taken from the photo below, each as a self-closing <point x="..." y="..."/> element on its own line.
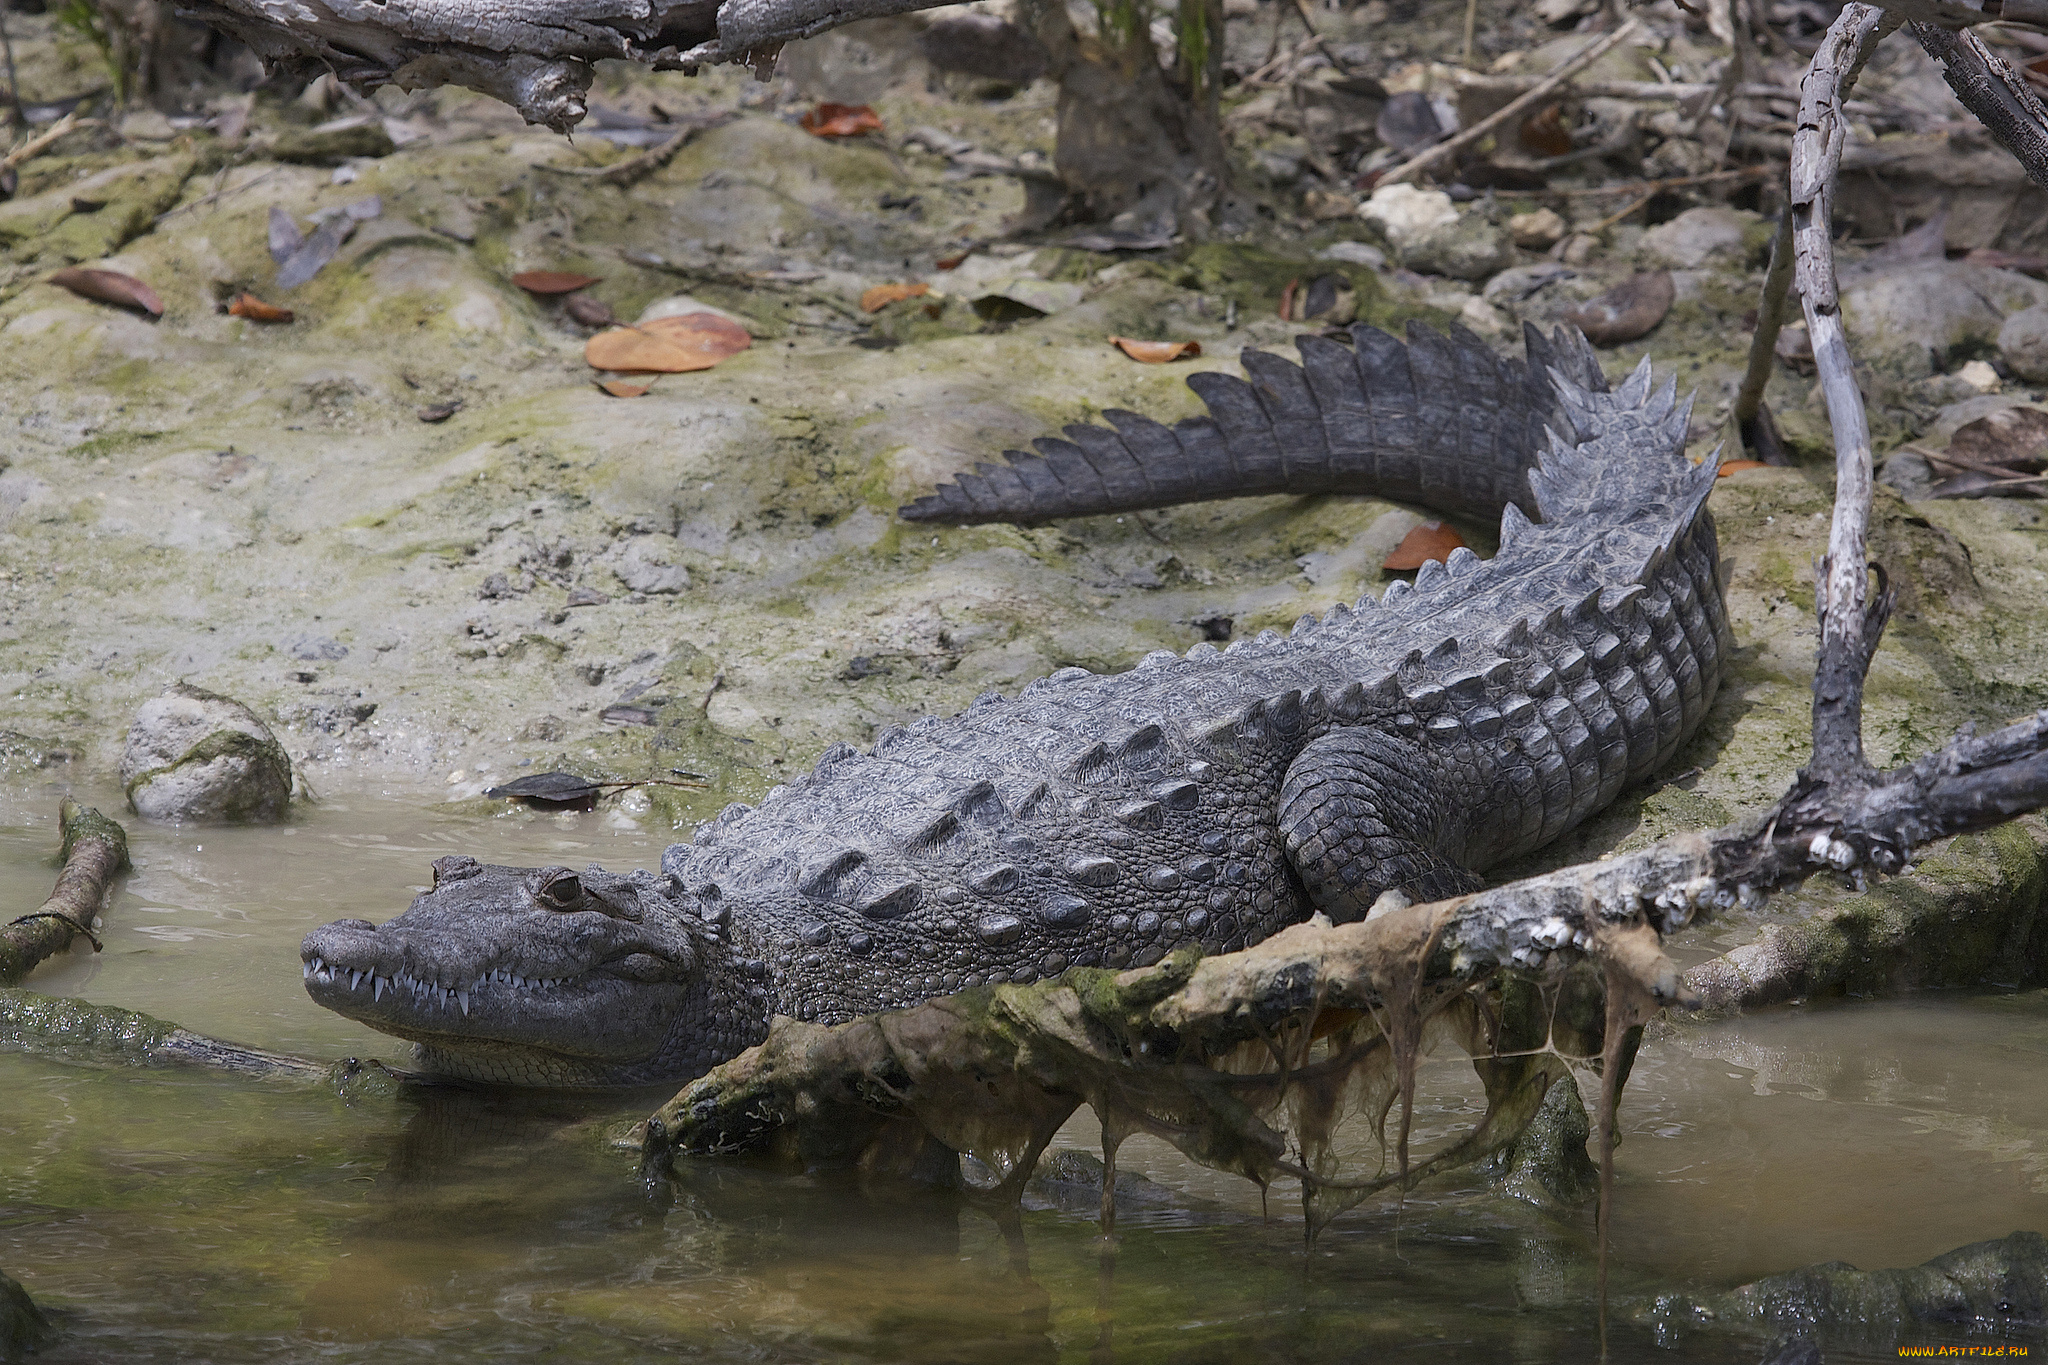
<point x="95" y="849"/>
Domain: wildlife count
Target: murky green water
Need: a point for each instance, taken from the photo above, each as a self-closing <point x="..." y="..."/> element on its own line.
<point x="174" y="1216"/>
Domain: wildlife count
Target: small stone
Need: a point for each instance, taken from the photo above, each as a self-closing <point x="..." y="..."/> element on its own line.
<point x="1468" y="249"/>
<point x="1579" y="248"/>
<point x="1538" y="231"/>
<point x="1406" y="214"/>
<point x="331" y="143"/>
<point x="194" y="755"/>
<point x="1979" y="376"/>
<point x="648" y="564"/>
<point x="1354" y="253"/>
<point x="1701" y="237"/>
<point x="2023" y="341"/>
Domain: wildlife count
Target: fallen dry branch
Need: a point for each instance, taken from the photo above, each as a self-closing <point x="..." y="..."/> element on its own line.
<point x="634" y="169"/>
<point x="1514" y="108"/>
<point x="95" y="850"/>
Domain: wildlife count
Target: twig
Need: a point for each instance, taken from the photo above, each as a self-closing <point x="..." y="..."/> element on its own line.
<point x="71" y="122"/>
<point x="1756" y="429"/>
<point x="634" y="169"/>
<point x="1848" y="632"/>
<point x="15" y="112"/>
<point x="214" y="195"/>
<point x="95" y="848"/>
<point x="1988" y="87"/>
<point x="1668" y="183"/>
<point x="1587" y="55"/>
<point x="1611" y="219"/>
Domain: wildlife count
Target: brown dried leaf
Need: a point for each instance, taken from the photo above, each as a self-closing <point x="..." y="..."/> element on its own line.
<point x="256" y="310"/>
<point x="695" y="341"/>
<point x="1156" y="352"/>
<point x="840" y="120"/>
<point x="1730" y="467"/>
<point x="1627" y="311"/>
<point x="1430" y="540"/>
<point x="545" y="282"/>
<point x="619" y="388"/>
<point x="1544" y="134"/>
<point x="2012" y="438"/>
<point x="109" y="286"/>
<point x="882" y="295"/>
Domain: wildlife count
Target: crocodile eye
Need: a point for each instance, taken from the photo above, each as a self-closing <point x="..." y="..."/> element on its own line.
<point x="560" y="890"/>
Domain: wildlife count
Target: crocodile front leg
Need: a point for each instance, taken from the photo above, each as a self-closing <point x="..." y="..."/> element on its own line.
<point x="1362" y="812"/>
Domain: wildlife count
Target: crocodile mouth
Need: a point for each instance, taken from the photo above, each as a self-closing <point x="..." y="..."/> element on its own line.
<point x="360" y="991"/>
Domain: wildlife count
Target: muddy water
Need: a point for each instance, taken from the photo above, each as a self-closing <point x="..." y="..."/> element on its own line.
<point x="174" y="1217"/>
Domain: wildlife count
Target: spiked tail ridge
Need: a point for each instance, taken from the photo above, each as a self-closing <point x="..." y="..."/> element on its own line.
<point x="1440" y="420"/>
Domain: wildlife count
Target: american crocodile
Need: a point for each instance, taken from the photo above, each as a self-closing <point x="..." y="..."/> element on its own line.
<point x="1207" y="799"/>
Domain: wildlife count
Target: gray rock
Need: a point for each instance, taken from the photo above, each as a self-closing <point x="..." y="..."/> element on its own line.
<point x="1701" y="237"/>
<point x="1910" y="318"/>
<point x="194" y="755"/>
<point x="1469" y="249"/>
<point x="2023" y="341"/>
<point x="317" y="648"/>
<point x="22" y="1325"/>
<point x="648" y="564"/>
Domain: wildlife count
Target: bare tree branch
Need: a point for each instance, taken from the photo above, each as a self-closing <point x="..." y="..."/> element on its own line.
<point x="1848" y="633"/>
<point x="95" y="849"/>
<point x="1989" y="88"/>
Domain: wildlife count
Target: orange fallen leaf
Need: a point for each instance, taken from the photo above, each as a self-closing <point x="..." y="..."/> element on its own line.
<point x="956" y="260"/>
<point x="694" y="341"/>
<point x="619" y="388"/>
<point x="109" y="286"/>
<point x="1737" y="466"/>
<point x="841" y="120"/>
<point x="1287" y="299"/>
<point x="882" y="295"/>
<point x="553" y="281"/>
<point x="1430" y="540"/>
<point x="256" y="310"/>
<point x="1156" y="352"/>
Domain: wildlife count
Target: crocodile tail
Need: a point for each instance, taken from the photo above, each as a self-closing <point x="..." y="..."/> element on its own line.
<point x="1440" y="420"/>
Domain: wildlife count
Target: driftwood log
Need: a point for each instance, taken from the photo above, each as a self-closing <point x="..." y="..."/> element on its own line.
<point x="95" y="851"/>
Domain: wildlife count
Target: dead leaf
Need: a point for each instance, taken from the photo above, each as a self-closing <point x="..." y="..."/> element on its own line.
<point x="956" y="260"/>
<point x="545" y="282"/>
<point x="1287" y="299"/>
<point x="1544" y="134"/>
<point x="110" y="286"/>
<point x="1430" y="540"/>
<point x="1627" y="311"/>
<point x="882" y="295"/>
<point x="619" y="388"/>
<point x="2011" y="438"/>
<point x="694" y="341"/>
<point x="589" y="311"/>
<point x="256" y="310"/>
<point x="439" y="412"/>
<point x="315" y="252"/>
<point x="840" y="120"/>
<point x="1729" y="467"/>
<point x="1156" y="352"/>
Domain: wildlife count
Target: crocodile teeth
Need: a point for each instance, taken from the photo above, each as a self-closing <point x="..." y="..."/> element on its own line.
<point x="355" y="978"/>
<point x="377" y="985"/>
<point x="463" y="996"/>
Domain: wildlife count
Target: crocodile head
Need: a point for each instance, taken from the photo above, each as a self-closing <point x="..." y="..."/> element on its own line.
<point x="544" y="976"/>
